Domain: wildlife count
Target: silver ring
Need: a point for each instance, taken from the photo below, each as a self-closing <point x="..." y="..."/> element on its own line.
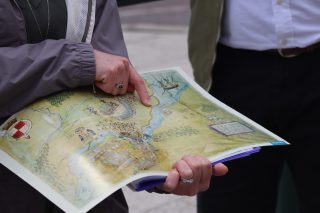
<point x="187" y="180"/>
<point x="119" y="85"/>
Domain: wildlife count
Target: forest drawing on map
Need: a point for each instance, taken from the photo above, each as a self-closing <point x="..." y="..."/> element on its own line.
<point x="77" y="147"/>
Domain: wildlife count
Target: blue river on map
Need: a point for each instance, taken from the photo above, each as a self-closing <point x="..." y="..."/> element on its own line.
<point x="166" y="99"/>
<point x="84" y="191"/>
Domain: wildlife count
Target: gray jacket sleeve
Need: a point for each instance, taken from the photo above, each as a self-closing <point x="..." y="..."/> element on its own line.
<point x="31" y="71"/>
<point x="107" y="35"/>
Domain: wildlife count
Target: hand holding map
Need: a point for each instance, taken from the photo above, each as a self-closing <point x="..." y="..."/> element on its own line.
<point x="190" y="175"/>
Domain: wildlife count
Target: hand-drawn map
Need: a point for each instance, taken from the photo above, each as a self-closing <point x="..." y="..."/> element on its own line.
<point x="84" y="146"/>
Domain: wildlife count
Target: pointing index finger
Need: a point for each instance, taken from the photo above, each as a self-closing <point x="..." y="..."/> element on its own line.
<point x="139" y="86"/>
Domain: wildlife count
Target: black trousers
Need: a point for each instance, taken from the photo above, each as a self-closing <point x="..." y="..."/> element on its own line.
<point x="16" y="196"/>
<point x="283" y="95"/>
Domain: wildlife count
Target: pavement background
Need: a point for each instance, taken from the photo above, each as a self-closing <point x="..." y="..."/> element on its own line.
<point x="156" y="34"/>
<point x="156" y="37"/>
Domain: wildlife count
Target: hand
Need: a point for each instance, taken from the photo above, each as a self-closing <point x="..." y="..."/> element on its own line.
<point x="191" y="175"/>
<point x="116" y="75"/>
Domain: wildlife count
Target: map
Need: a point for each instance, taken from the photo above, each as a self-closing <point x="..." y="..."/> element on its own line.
<point x="84" y="146"/>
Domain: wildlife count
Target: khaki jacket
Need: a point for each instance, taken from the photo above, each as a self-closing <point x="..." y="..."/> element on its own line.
<point x="203" y="36"/>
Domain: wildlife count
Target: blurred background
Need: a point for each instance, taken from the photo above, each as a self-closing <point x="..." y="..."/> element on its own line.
<point x="156" y="33"/>
<point x="156" y="37"/>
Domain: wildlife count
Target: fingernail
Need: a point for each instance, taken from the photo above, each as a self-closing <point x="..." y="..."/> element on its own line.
<point x="149" y="101"/>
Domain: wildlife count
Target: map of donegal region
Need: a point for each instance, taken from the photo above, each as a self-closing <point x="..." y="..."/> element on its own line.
<point x="85" y="146"/>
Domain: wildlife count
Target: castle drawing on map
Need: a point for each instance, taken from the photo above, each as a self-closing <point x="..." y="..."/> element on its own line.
<point x="77" y="147"/>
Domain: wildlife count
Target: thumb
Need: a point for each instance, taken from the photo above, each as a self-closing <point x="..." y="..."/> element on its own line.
<point x="219" y="169"/>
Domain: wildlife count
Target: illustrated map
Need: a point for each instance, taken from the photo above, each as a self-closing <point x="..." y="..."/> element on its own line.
<point x="85" y="146"/>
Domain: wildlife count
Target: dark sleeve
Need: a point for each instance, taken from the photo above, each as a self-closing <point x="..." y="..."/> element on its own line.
<point x="31" y="71"/>
<point x="107" y="34"/>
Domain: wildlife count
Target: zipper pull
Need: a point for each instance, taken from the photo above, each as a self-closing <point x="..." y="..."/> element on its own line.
<point x="35" y="3"/>
<point x="21" y="3"/>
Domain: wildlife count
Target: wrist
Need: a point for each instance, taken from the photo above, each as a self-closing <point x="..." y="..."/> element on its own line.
<point x="87" y="71"/>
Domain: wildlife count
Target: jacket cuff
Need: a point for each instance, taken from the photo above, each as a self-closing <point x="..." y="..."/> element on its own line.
<point x="87" y="71"/>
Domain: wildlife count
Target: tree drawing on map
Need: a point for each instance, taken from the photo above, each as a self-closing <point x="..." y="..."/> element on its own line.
<point x="57" y="100"/>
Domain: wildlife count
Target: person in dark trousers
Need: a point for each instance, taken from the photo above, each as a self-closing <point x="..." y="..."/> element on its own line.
<point x="262" y="59"/>
<point x="48" y="46"/>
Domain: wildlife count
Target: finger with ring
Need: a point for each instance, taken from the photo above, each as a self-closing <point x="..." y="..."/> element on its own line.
<point x="119" y="85"/>
<point x="186" y="180"/>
